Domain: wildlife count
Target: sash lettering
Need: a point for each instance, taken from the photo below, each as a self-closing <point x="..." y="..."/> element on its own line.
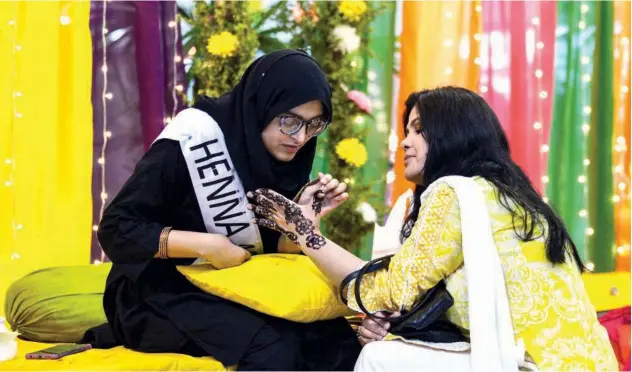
<point x="217" y="186"/>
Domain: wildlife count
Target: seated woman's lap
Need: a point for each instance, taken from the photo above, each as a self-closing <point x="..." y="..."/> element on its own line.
<point x="179" y="318"/>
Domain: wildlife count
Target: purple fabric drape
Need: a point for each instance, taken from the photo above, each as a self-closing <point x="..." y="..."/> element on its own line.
<point x="140" y="49"/>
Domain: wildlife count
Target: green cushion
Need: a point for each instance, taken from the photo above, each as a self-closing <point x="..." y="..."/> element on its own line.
<point x="57" y="304"/>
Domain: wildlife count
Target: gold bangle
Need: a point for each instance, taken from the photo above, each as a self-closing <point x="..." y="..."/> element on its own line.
<point x="162" y="243"/>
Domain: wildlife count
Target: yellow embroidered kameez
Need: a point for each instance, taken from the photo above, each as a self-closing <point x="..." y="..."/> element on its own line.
<point x="550" y="309"/>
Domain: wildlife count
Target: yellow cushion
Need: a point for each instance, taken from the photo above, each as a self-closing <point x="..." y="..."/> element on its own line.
<point x="287" y="286"/>
<point x="115" y="359"/>
<point x="608" y="291"/>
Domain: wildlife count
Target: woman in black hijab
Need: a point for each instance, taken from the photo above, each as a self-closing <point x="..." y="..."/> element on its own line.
<point x="269" y="122"/>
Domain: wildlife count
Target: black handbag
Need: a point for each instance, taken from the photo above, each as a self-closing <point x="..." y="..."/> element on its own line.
<point x="425" y="321"/>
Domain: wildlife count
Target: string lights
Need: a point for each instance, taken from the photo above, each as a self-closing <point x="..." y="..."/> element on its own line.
<point x="12" y="161"/>
<point x="543" y="147"/>
<point x="586" y="77"/>
<point x="106" y="134"/>
<point x="621" y="178"/>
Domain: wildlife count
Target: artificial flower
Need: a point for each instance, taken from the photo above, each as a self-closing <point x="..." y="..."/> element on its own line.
<point x="348" y="39"/>
<point x="369" y="215"/>
<point x="223" y="44"/>
<point x="352" y="10"/>
<point x="297" y="13"/>
<point x="352" y="151"/>
<point x="361" y="100"/>
<point x="254" y="6"/>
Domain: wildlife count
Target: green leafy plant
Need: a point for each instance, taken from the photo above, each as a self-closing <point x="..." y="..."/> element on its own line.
<point x="334" y="33"/>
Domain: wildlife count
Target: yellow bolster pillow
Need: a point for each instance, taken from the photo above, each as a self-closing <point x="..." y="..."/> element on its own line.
<point x="286" y="286"/>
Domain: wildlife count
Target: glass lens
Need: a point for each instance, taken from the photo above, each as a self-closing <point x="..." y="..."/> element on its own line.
<point x="316" y="127"/>
<point x="289" y="124"/>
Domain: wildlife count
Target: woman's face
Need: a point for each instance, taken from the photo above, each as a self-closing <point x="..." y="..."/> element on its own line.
<point x="284" y="147"/>
<point x="415" y="149"/>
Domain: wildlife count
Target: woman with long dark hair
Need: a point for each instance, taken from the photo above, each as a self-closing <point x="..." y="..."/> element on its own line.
<point x="478" y="225"/>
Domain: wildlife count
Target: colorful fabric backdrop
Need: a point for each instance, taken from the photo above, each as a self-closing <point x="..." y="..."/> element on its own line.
<point x="45" y="137"/>
<point x="558" y="75"/>
<point x="86" y="87"/>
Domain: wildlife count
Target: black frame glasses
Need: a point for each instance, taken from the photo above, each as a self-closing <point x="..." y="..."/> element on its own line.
<point x="303" y="123"/>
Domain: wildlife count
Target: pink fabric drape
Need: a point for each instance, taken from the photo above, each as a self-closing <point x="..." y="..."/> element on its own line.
<point x="517" y="51"/>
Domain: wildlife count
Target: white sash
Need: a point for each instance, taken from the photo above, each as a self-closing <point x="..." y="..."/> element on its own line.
<point x="492" y="342"/>
<point x="218" y="189"/>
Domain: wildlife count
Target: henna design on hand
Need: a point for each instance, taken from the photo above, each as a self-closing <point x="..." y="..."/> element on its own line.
<point x="265" y="203"/>
<point x="293" y="215"/>
<point x="317" y="204"/>
<point x="275" y="226"/>
<point x="315" y="241"/>
<point x="265" y="212"/>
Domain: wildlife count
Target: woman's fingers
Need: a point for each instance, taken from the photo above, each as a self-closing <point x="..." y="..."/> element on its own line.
<point x="376" y="333"/>
<point x="267" y="224"/>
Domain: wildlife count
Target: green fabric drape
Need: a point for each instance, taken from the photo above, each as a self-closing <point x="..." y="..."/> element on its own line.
<point x="600" y="178"/>
<point x="580" y="162"/>
<point x="378" y="84"/>
<point x="574" y="52"/>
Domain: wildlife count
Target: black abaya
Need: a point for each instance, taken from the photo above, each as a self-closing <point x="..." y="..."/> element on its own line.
<point x="151" y="307"/>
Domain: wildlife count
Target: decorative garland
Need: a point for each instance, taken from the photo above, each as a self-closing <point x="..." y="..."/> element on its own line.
<point x="222" y="43"/>
<point x="227" y="35"/>
<point x="335" y="34"/>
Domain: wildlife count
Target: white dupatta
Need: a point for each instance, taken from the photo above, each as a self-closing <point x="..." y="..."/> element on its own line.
<point x="218" y="189"/>
<point x="492" y="342"/>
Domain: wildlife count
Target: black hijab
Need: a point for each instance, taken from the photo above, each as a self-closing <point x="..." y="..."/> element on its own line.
<point x="271" y="85"/>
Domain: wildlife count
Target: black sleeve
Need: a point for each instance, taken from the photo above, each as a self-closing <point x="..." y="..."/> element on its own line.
<point x="131" y="225"/>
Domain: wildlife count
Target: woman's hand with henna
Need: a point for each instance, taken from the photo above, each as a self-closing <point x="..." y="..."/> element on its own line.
<point x="325" y="191"/>
<point x="298" y="222"/>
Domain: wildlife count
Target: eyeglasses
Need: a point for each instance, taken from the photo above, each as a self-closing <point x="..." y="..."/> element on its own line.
<point x="291" y="124"/>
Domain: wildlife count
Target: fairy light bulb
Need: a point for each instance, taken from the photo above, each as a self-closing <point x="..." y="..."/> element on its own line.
<point x="581" y="25"/>
<point x="545" y="179"/>
<point x="543" y="94"/>
<point x="583" y="213"/>
<point x="616" y="198"/>
<point x="64" y="20"/>
<point x="581" y="179"/>
<point x="590" y="266"/>
<point x="586" y="162"/>
<point x="590" y="231"/>
<point x="585" y="128"/>
<point x="539" y="73"/>
<point x="535" y="21"/>
<point x="537" y="125"/>
<point x="544" y="148"/>
<point x="587" y="110"/>
<point x="448" y="70"/>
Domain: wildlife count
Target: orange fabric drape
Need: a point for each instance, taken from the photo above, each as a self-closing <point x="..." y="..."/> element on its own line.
<point x="621" y="135"/>
<point x="439" y="46"/>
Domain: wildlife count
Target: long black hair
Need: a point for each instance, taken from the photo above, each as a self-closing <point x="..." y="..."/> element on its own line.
<point x="466" y="139"/>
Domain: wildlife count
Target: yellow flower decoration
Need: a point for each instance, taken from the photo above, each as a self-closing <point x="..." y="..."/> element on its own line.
<point x="223" y="44"/>
<point x="353" y="10"/>
<point x="352" y="151"/>
<point x="254" y="6"/>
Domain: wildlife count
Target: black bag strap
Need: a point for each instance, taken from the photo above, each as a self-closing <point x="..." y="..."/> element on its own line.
<point x="372" y="266"/>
